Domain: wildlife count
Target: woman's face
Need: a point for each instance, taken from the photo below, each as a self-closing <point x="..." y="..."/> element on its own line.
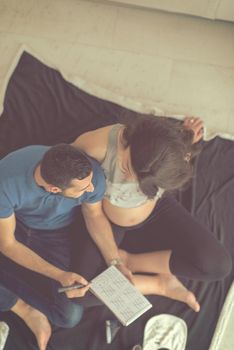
<point x="126" y="166"/>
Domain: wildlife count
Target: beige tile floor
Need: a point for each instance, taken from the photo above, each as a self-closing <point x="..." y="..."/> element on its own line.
<point x="181" y="64"/>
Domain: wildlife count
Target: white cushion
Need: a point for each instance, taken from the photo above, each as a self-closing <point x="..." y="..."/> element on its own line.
<point x="165" y="331"/>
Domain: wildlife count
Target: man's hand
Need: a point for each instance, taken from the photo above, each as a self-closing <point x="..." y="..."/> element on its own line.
<point x="67" y="279"/>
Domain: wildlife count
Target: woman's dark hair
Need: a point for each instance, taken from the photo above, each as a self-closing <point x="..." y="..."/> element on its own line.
<point x="63" y="163"/>
<point x="160" y="151"/>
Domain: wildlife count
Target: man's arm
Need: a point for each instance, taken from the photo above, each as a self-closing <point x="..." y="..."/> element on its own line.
<point x="27" y="258"/>
<point x="100" y="230"/>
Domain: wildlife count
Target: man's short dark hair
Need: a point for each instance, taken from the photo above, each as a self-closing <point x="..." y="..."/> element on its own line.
<point x="63" y="163"/>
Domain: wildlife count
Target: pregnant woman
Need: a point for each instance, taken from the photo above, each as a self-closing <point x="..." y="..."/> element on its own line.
<point x="143" y="162"/>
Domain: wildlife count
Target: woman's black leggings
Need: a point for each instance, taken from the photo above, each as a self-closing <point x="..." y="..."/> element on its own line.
<point x="196" y="253"/>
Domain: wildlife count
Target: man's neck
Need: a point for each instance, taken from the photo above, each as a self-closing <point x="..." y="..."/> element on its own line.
<point x="38" y="178"/>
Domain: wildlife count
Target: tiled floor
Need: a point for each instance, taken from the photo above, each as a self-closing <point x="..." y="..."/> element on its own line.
<point x="181" y="64"/>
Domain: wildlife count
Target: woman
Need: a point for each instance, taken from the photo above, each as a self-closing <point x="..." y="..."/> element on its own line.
<point x="143" y="162"/>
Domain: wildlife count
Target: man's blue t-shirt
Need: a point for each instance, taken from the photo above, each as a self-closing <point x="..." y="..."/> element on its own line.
<point x="32" y="204"/>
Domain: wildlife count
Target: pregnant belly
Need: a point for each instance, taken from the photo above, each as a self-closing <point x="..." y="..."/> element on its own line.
<point x="128" y="216"/>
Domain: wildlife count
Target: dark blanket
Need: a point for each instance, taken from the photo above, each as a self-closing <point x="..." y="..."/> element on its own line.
<point x="40" y="107"/>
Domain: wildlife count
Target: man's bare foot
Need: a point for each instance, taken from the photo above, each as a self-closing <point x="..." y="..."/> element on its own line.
<point x="36" y="321"/>
<point x="39" y="325"/>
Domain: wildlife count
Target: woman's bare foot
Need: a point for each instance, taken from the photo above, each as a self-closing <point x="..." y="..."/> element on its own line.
<point x="36" y="321"/>
<point x="168" y="286"/>
<point x="161" y="284"/>
<point x="172" y="288"/>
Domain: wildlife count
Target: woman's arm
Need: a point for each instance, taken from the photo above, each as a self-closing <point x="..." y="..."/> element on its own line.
<point x="101" y="232"/>
<point x="94" y="143"/>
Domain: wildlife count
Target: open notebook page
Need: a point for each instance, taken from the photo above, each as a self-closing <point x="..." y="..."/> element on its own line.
<point x="119" y="295"/>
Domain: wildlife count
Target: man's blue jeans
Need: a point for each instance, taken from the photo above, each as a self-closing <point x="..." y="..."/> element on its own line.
<point x="39" y="291"/>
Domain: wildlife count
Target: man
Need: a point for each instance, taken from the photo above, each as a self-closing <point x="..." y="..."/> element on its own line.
<point x="40" y="190"/>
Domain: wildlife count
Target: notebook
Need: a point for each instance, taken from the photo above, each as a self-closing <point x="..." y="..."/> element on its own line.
<point x="119" y="295"/>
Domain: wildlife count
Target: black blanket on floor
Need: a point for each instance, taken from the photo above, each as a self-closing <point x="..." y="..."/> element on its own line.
<point x="40" y="107"/>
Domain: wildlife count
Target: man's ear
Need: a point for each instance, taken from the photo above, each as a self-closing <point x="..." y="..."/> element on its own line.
<point x="54" y="189"/>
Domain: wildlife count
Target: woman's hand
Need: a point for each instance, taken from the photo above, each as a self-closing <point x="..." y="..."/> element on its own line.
<point x="122" y="266"/>
<point x="196" y="125"/>
<point x="125" y="271"/>
<point x="67" y="279"/>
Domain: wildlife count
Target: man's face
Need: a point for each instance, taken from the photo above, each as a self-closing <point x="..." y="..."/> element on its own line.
<point x="78" y="187"/>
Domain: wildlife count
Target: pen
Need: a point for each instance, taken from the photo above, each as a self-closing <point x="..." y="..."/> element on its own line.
<point x="68" y="288"/>
<point x="108" y="332"/>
